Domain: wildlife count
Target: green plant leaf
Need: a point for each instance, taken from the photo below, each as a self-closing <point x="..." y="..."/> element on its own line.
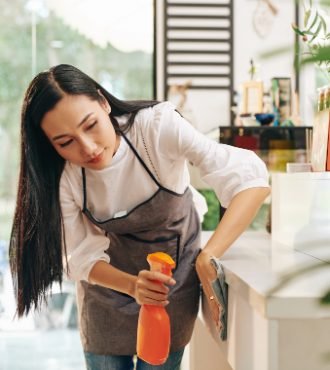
<point x="309" y="33"/>
<point x="292" y="275"/>
<point x="321" y="55"/>
<point x="326" y="298"/>
<point x="306" y="17"/>
<point x="275" y="52"/>
<point x="316" y="32"/>
<point x="314" y="21"/>
<point x="297" y="30"/>
<point x="324" y="24"/>
<point x="211" y="218"/>
<point x="325" y="3"/>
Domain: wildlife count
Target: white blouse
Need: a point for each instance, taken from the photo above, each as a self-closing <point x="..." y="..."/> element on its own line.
<point x="166" y="142"/>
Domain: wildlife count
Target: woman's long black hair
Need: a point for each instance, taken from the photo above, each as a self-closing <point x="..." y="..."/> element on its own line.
<point x="37" y="243"/>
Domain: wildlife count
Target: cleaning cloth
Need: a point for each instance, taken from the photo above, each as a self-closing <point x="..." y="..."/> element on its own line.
<point x="220" y="289"/>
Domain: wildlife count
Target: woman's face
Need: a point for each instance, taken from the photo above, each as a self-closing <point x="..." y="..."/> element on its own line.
<point x="81" y="131"/>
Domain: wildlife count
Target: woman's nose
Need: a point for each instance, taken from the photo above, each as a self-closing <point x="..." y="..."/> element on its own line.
<point x="88" y="146"/>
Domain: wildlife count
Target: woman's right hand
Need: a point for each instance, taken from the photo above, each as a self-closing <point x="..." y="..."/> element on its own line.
<point x="151" y="287"/>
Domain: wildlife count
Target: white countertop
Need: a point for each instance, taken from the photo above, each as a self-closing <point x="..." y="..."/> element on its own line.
<point x="253" y="265"/>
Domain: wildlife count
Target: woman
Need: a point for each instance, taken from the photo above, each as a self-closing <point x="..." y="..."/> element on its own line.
<point x="103" y="183"/>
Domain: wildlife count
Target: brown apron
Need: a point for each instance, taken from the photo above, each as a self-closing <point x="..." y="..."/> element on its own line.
<point x="166" y="222"/>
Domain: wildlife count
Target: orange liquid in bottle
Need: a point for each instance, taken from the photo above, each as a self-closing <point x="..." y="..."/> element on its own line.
<point x="154" y="333"/>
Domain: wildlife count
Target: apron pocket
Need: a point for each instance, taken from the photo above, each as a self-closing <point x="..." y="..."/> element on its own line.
<point x="183" y="310"/>
<point x="132" y="251"/>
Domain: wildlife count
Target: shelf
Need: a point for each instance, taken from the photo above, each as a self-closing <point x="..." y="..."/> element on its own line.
<point x="264" y="127"/>
<point x="265" y="137"/>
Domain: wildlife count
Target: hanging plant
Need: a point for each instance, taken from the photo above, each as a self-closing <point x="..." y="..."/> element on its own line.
<point x="316" y="38"/>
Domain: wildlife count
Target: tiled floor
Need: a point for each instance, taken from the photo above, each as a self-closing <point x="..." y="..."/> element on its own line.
<point x="34" y="342"/>
<point x="37" y="341"/>
<point x="41" y="350"/>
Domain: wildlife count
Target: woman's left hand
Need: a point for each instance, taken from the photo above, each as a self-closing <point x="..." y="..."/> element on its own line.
<point x="207" y="274"/>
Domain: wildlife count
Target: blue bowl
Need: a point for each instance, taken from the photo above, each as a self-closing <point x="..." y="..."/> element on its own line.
<point x="265" y="118"/>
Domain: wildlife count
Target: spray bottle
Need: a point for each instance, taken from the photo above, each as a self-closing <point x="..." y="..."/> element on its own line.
<point x="153" y="334"/>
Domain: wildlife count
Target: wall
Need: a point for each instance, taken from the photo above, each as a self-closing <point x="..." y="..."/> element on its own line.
<point x="249" y="45"/>
<point x="211" y="109"/>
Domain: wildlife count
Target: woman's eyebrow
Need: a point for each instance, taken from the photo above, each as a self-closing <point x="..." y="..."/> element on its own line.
<point x="81" y="122"/>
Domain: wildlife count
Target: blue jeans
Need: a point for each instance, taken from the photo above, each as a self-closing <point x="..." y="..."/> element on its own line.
<point x="108" y="362"/>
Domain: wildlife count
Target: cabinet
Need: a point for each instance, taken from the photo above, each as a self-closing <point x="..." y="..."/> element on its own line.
<point x="287" y="330"/>
<point x="275" y="145"/>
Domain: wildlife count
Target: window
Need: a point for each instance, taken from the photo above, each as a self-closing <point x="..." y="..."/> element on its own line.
<point x="111" y="41"/>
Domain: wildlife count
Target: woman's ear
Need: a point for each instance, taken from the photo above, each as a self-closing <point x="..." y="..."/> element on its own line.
<point x="104" y="103"/>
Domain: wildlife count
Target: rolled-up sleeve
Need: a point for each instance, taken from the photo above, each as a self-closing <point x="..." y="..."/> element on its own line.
<point x="227" y="169"/>
<point x="85" y="243"/>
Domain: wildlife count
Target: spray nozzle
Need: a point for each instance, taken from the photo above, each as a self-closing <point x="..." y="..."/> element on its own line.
<point x="161" y="262"/>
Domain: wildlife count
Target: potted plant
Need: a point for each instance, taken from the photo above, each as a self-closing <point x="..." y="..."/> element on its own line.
<point x="316" y="38"/>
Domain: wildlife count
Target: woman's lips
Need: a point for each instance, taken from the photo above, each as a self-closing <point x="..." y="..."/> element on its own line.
<point x="96" y="159"/>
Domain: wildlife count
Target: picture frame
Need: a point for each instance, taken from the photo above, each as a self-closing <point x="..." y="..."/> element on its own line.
<point x="281" y="90"/>
<point x="320" y="155"/>
<point x="252" y="97"/>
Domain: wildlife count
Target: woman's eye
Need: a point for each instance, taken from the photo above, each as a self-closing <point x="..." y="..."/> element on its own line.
<point x="91" y="125"/>
<point x="66" y="143"/>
